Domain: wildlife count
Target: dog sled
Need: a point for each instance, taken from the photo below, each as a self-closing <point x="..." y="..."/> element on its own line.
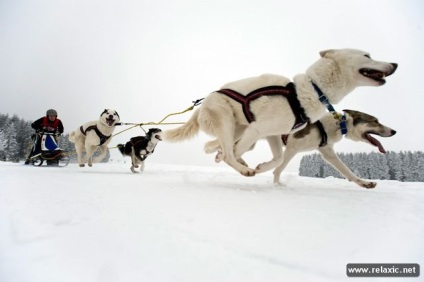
<point x="48" y="151"/>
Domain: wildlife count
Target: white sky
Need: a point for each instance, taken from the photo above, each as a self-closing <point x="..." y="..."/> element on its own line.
<point x="147" y="59"/>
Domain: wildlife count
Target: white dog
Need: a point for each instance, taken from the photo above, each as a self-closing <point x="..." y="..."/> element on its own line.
<point x="322" y="135"/>
<point x="269" y="106"/>
<point x="94" y="134"/>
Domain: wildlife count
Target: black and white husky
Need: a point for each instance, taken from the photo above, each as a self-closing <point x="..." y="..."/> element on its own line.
<point x="140" y="147"/>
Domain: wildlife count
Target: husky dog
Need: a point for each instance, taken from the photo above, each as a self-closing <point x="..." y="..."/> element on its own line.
<point x="94" y="134"/>
<point x="140" y="147"/>
<point x="322" y="135"/>
<point x="269" y="106"/>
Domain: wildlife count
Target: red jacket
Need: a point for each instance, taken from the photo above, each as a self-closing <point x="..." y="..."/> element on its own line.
<point x="49" y="126"/>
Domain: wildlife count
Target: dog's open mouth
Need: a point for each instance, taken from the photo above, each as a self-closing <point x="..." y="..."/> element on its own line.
<point x="378" y="75"/>
<point x="110" y="120"/>
<point x="374" y="75"/>
<point x="374" y="141"/>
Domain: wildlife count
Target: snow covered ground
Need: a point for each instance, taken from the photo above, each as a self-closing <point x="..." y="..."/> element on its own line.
<point x="181" y="223"/>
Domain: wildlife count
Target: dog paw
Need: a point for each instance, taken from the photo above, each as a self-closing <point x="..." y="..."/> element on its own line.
<point x="248" y="172"/>
<point x="279" y="184"/>
<point x="369" y="185"/>
<point x="82" y="165"/>
<point x="218" y="157"/>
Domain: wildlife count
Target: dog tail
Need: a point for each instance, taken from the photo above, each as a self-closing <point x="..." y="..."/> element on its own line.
<point x="186" y="131"/>
<point x="72" y="137"/>
<point x="121" y="148"/>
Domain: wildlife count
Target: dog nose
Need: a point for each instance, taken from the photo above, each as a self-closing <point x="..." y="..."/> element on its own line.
<point x="394" y="67"/>
<point x="393" y="132"/>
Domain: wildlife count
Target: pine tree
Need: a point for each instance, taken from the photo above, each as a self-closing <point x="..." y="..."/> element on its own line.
<point x="378" y="168"/>
<point x="402" y="166"/>
<point x="3" y="142"/>
<point x="394" y="165"/>
<point x="420" y="166"/>
<point x="11" y="150"/>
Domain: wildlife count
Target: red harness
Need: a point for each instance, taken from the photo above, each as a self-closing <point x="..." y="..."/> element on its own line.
<point x="288" y="91"/>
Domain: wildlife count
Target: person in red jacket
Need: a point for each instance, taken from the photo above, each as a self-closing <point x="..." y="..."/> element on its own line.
<point x="49" y="123"/>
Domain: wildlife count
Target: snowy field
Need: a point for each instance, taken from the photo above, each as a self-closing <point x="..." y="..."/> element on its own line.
<point x="181" y="223"/>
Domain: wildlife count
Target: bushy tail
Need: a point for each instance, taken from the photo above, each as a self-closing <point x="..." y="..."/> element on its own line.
<point x="121" y="148"/>
<point x="72" y="137"/>
<point x="186" y="131"/>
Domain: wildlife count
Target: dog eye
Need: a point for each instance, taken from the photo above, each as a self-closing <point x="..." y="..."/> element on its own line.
<point x="368" y="56"/>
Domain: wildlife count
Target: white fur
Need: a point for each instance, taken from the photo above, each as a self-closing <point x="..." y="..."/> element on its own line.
<point x="336" y="73"/>
<point x="91" y="140"/>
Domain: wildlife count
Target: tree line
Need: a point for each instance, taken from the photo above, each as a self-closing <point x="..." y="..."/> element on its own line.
<point x="16" y="142"/>
<point x="402" y="166"/>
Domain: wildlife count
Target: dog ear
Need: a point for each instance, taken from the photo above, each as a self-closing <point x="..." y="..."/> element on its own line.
<point x="117" y="114"/>
<point x="352" y="113"/>
<point x="325" y="52"/>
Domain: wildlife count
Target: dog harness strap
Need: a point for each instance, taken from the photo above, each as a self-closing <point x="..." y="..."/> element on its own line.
<point x="288" y="91"/>
<point x="103" y="138"/>
<point x="322" y="98"/>
<point x="243" y="100"/>
<point x="284" y="138"/>
<point x="323" y="134"/>
<point x="343" y="125"/>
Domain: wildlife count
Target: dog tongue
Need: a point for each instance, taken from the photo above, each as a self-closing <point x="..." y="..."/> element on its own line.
<point x="376" y="143"/>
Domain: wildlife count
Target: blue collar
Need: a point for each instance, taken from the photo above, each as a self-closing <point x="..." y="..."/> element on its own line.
<point x="323" y="99"/>
<point x="343" y="125"/>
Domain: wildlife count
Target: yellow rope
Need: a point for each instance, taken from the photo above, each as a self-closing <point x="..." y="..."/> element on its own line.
<point x="160" y="122"/>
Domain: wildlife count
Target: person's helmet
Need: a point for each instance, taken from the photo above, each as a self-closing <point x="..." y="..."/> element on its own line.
<point x="51" y="112"/>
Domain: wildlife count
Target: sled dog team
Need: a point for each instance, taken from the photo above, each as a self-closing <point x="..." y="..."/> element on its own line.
<point x="296" y="114"/>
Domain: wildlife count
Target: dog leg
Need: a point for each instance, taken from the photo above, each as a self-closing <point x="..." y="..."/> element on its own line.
<point x="133" y="161"/>
<point x="288" y="155"/>
<point x="276" y="145"/>
<point x="219" y="157"/>
<point x="212" y="146"/>
<point x="142" y="166"/>
<point x="227" y="145"/>
<point x="134" y="158"/>
<point x="79" y="148"/>
<point x="103" y="152"/>
<point x="218" y="120"/>
<point x="133" y="169"/>
<point x="331" y="157"/>
<point x="89" y="149"/>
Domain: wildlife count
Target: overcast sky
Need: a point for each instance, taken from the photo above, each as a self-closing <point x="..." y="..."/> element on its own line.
<point x="147" y="59"/>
